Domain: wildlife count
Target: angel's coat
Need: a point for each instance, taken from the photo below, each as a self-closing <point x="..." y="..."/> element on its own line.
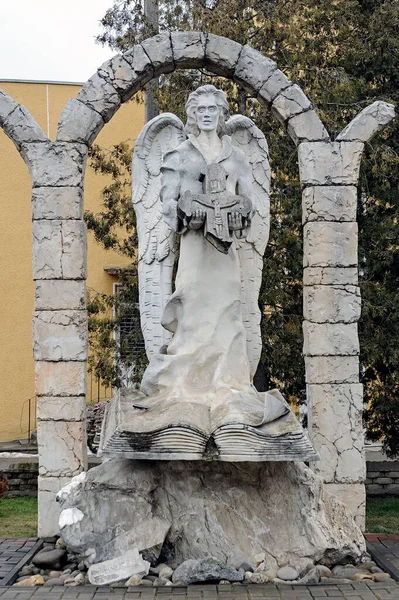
<point x="206" y="361"/>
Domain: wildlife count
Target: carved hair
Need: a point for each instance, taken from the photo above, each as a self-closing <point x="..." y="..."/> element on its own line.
<point x="192" y="103"/>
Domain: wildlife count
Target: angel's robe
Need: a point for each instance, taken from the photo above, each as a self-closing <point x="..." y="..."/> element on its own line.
<point x="206" y="360"/>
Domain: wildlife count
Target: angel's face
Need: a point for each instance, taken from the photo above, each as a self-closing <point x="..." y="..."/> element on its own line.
<point x="207" y="113"/>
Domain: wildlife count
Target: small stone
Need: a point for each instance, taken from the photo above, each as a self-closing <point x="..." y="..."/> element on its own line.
<point x="35" y="571"/>
<point x="225" y="582"/>
<point x="134" y="580"/>
<point x="324" y="571"/>
<point x="287" y="574"/>
<point x="50" y="540"/>
<point x="122" y="567"/>
<point x="82" y="566"/>
<point x="67" y="571"/>
<point x="257" y="577"/>
<point x="161" y="581"/>
<point x="52" y="559"/>
<point x="376" y="570"/>
<point x="367" y="565"/>
<point x="60" y="544"/>
<point x="42" y="572"/>
<point x="380" y="577"/>
<point x="34" y="580"/>
<point x="151" y="578"/>
<point x="312" y="576"/>
<point x="260" y="567"/>
<point x="348" y="571"/>
<point x="23" y="578"/>
<point x="27" y="570"/>
<point x="70" y="581"/>
<point x="55" y="573"/>
<point x="178" y="584"/>
<point x="48" y="546"/>
<point x="55" y="581"/>
<point x="246" y="566"/>
<point x="334" y="580"/>
<point x="165" y="571"/>
<point x="80" y="578"/>
<point x="146" y="583"/>
<point x="74" y="573"/>
<point x="361" y="576"/>
<point x="73" y="566"/>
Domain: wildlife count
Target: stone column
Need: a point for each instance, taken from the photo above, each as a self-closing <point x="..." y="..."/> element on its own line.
<point x="329" y="176"/>
<point x="60" y="319"/>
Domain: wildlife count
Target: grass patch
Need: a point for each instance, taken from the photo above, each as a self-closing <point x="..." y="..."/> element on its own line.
<point x="18" y="517"/>
<point x="382" y="515"/>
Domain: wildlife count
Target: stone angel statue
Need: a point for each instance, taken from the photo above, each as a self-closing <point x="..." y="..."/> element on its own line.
<point x="208" y="183"/>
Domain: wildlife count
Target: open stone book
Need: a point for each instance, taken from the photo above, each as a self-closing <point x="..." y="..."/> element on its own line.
<point x="133" y="428"/>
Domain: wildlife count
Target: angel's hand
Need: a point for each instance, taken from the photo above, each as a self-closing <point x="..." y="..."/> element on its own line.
<point x="235" y="221"/>
<point x="197" y="220"/>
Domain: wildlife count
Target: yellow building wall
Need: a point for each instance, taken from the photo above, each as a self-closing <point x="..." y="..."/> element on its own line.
<point x="45" y="102"/>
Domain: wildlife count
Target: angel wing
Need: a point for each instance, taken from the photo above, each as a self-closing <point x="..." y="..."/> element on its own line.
<point x="246" y="136"/>
<point x="156" y="240"/>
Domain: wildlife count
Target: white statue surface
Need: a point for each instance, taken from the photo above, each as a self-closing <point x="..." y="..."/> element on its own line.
<point x="208" y="183"/>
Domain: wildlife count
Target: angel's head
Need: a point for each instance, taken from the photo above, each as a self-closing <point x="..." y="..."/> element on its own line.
<point x="207" y="109"/>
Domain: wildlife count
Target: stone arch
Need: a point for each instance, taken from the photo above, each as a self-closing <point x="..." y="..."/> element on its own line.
<point x="120" y="78"/>
<point x="329" y="175"/>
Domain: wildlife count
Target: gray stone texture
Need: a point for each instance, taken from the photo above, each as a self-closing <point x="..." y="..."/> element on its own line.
<point x="48" y="508"/>
<point x="329" y="244"/>
<point x="141" y="64"/>
<point x="335" y="427"/>
<point x="353" y="495"/>
<point x="306" y="127"/>
<point x="62" y="378"/>
<point x="273" y="86"/>
<point x="368" y="122"/>
<point x="57" y="203"/>
<point x="330" y="276"/>
<point x="332" y="369"/>
<point x="290" y="102"/>
<point x="21" y="127"/>
<point x="329" y="203"/>
<point x="55" y="164"/>
<point x="221" y="54"/>
<point x="188" y="49"/>
<point x="62" y="448"/>
<point x="330" y="339"/>
<point x="329" y="163"/>
<point x="61" y="408"/>
<point x="208" y="569"/>
<point x="60" y="294"/>
<point x="101" y="96"/>
<point x="209" y="509"/>
<point x="119" y="73"/>
<point x="253" y="69"/>
<point x="60" y="335"/>
<point x="7" y="105"/>
<point x="59" y="249"/>
<point x="331" y="303"/>
<point x="159" y="51"/>
<point x="79" y="123"/>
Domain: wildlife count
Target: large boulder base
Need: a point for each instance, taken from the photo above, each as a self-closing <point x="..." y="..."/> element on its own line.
<point x="193" y="510"/>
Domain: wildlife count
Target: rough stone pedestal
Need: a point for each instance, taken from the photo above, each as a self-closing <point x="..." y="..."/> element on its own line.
<point x="229" y="511"/>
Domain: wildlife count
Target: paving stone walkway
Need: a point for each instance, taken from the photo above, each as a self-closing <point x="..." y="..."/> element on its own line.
<point x="14" y="553"/>
<point x="384" y="549"/>
<point x="360" y="591"/>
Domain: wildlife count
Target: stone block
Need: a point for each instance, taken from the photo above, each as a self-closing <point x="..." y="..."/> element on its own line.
<point x="336" y="430"/>
<point x="188" y="49"/>
<point x="60" y="378"/>
<point x="121" y="76"/>
<point x="60" y="335"/>
<point x="50" y="408"/>
<point x="332" y="369"/>
<point x="368" y="122"/>
<point x="306" y="127"/>
<point x="141" y="65"/>
<point x="383" y="480"/>
<point x="48" y="507"/>
<point x="159" y="50"/>
<point x="329" y="244"/>
<point x="329" y="339"/>
<point x="22" y="127"/>
<point x="57" y="203"/>
<point x="221" y="54"/>
<point x="392" y="474"/>
<point x="273" y="86"/>
<point x="47" y="249"/>
<point x="331" y="303"/>
<point x="330" y="276"/>
<point x="392" y="489"/>
<point x="62" y="448"/>
<point x="60" y="294"/>
<point x="79" y="123"/>
<point x="7" y="105"/>
<point x="374" y="489"/>
<point x="74" y="250"/>
<point x="101" y="96"/>
<point x="329" y="203"/>
<point x="373" y="474"/>
<point x="253" y="69"/>
<point x="55" y="164"/>
<point x="353" y="495"/>
<point x="329" y="163"/>
<point x="290" y="102"/>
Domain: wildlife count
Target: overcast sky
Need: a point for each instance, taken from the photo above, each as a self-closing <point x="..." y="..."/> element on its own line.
<point x="51" y="39"/>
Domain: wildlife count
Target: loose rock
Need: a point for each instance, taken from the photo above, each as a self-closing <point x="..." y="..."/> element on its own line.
<point x="165" y="571"/>
<point x="53" y="559"/>
<point x="361" y="576"/>
<point x="122" y="567"/>
<point x="257" y="577"/>
<point x="134" y="580"/>
<point x="287" y="574"/>
<point x="324" y="571"/>
<point x="380" y="577"/>
<point x="55" y="581"/>
<point x="34" y="580"/>
<point x="208" y="569"/>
